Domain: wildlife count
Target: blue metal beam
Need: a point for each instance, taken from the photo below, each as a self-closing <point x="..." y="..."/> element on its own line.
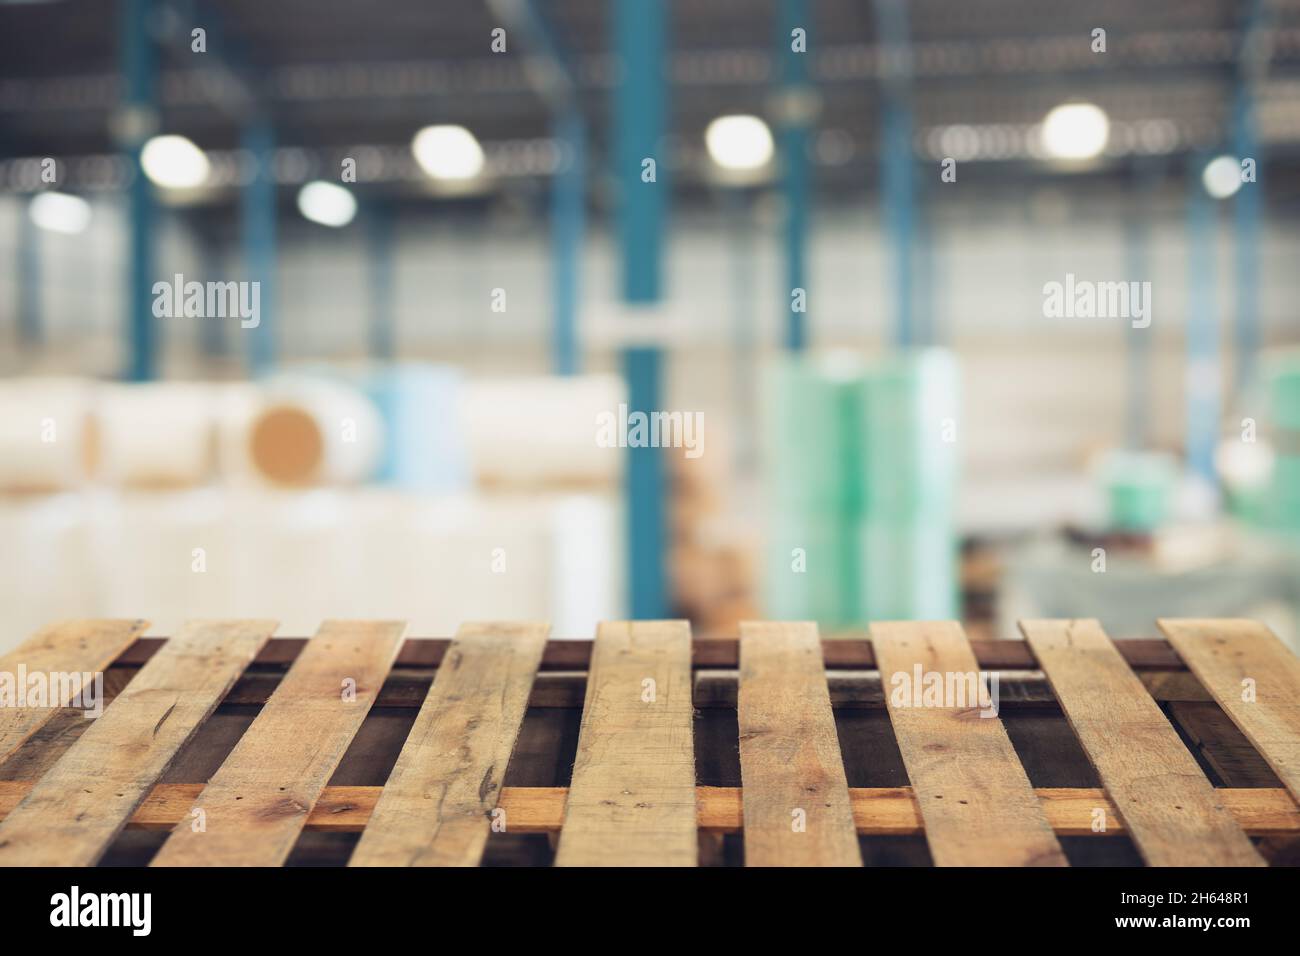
<point x="552" y="76"/>
<point x="382" y="327"/>
<point x="796" y="167"/>
<point x="139" y="120"/>
<point x="1252" y="65"/>
<point x="258" y="230"/>
<point x="1203" y="369"/>
<point x="639" y="109"/>
<point x="568" y="225"/>
<point x="29" y="281"/>
<point x="897" y="187"/>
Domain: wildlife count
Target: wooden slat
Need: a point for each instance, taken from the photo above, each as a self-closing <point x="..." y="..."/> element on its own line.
<point x="1169" y="807"/>
<point x="255" y="805"/>
<point x="879" y="811"/>
<point x="435" y="809"/>
<point x="790" y="761"/>
<point x="1223" y="654"/>
<point x="837" y="653"/>
<point x="975" y="797"/>
<point x="69" y="647"/>
<point x="632" y="798"/>
<point x="71" y="816"/>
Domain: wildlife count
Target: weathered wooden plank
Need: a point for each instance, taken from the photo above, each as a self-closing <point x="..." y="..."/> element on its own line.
<point x="435" y="809"/>
<point x="68" y="648"/>
<point x="632" y="798"/>
<point x="877" y="811"/>
<point x="974" y="795"/>
<point x="255" y="805"/>
<point x="74" y="812"/>
<point x="1255" y="679"/>
<point x="796" y="796"/>
<point x="1168" y="806"/>
<point x="838" y="654"/>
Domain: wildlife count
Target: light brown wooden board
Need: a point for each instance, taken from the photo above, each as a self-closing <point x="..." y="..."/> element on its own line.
<point x="65" y="648"/>
<point x="975" y="798"/>
<point x="437" y="804"/>
<point x="797" y="809"/>
<point x="73" y="813"/>
<point x="632" y="798"/>
<point x="878" y="811"/>
<point x="1169" y="808"/>
<point x="1225" y="653"/>
<point x="256" y="804"/>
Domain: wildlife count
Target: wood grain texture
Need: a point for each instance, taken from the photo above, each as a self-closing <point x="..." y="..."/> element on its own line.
<point x="974" y="795"/>
<point x="436" y="806"/>
<point x="877" y="811"/>
<point x="1169" y="808"/>
<point x="790" y="760"/>
<point x="256" y="804"/>
<point x="71" y="816"/>
<point x="632" y="798"/>
<point x="1224" y="654"/>
<point x="68" y="647"/>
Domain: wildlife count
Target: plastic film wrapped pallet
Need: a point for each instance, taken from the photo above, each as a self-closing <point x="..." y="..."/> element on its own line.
<point x="1283" y="396"/>
<point x="861" y="464"/>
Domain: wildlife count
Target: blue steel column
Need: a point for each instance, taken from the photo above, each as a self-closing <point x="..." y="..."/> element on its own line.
<point x="1137" y="240"/>
<point x="1203" y="370"/>
<point x="640" y="106"/>
<point x="795" y="133"/>
<point x="568" y="223"/>
<point x="139" y="119"/>
<point x="897" y="189"/>
<point x="381" y="328"/>
<point x="258" y="215"/>
<point x="1252" y="64"/>
<point x="29" y="281"/>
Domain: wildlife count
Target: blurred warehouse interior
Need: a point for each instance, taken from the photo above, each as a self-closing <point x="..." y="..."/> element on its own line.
<point x="828" y="227"/>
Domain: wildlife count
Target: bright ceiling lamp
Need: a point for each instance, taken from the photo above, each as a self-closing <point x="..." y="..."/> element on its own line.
<point x="174" y="162"/>
<point x="59" y="212"/>
<point x="327" y="204"/>
<point x="739" y="143"/>
<point x="448" y="152"/>
<point x="1222" y="176"/>
<point x="1075" y="131"/>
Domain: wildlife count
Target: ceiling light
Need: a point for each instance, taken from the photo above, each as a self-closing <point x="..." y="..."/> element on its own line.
<point x="739" y="143"/>
<point x="174" y="162"/>
<point x="448" y="152"/>
<point x="1222" y="176"/>
<point x="59" y="212"/>
<point x="1075" y="131"/>
<point x="327" y="203"/>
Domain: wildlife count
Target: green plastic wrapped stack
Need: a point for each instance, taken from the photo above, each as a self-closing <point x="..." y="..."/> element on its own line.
<point x="861" y="467"/>
<point x="1139" y="489"/>
<point x="1282" y="378"/>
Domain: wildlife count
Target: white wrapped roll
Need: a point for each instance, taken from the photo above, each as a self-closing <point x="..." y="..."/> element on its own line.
<point x="315" y="432"/>
<point x="165" y="555"/>
<point x="542" y="431"/>
<point x="46" y="569"/>
<point x="47" y="438"/>
<point x="155" y="435"/>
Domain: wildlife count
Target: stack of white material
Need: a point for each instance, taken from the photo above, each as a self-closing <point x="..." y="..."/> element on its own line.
<point x="46" y="434"/>
<point x="542" y="432"/>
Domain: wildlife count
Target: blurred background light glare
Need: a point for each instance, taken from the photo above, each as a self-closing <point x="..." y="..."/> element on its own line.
<point x="739" y="143"/>
<point x="1075" y="131"/>
<point x="174" y="162"/>
<point x="59" y="212"/>
<point x="327" y="204"/>
<point x="1222" y="176"/>
<point x="448" y="152"/>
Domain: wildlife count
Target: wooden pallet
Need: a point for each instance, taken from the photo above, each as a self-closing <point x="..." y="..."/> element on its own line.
<point x="643" y="747"/>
